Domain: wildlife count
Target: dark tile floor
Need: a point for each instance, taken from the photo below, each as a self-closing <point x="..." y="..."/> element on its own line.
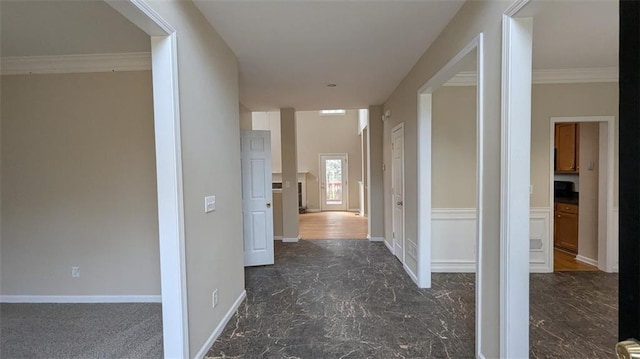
<point x="352" y="299"/>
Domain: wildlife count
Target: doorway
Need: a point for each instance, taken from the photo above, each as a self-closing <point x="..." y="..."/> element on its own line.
<point x="397" y="190"/>
<point x="333" y="182"/>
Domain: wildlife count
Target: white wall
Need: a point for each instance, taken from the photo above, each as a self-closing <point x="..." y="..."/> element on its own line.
<point x="78" y="173"/>
<point x="210" y="136"/>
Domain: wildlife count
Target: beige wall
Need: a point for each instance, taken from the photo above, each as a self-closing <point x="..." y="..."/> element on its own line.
<point x="328" y="134"/>
<point x="588" y="208"/>
<point x="474" y="17"/>
<point x="562" y="100"/>
<point x="270" y="121"/>
<point x="79" y="180"/>
<point x="245" y="118"/>
<point x="454" y="147"/>
<point x="208" y="85"/>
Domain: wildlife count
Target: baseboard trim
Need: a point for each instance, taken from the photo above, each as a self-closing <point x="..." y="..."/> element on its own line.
<point x="587" y="260"/>
<point x="277" y="238"/>
<point x="375" y="239"/>
<point x="460" y="266"/>
<point x="389" y="247"/>
<point x="216" y="332"/>
<point x="412" y="275"/>
<point x="291" y="240"/>
<point x="357" y="210"/>
<point x="313" y="210"/>
<point x="80" y="299"/>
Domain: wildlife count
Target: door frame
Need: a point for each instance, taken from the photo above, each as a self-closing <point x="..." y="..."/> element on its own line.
<point x="166" y="114"/>
<point x="607" y="258"/>
<point x="400" y="127"/>
<point x="345" y="191"/>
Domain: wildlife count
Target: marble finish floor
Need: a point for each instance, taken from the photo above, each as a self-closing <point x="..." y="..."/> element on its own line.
<point x="352" y="299"/>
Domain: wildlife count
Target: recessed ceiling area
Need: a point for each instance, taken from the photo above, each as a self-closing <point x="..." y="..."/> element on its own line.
<point x="288" y="52"/>
<point x="43" y="28"/>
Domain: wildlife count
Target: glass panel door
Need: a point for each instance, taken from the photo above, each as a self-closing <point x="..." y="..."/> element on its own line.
<point x="333" y="182"/>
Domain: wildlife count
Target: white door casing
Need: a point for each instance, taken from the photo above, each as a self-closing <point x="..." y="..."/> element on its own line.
<point x="257" y="197"/>
<point x="334" y="191"/>
<point x="397" y="189"/>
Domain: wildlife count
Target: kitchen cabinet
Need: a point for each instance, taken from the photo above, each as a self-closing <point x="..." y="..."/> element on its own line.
<point x="565" y="233"/>
<point x="567" y="146"/>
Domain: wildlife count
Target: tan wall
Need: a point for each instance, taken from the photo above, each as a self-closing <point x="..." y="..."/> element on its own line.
<point x="277" y="214"/>
<point x="79" y="180"/>
<point x="562" y="100"/>
<point x="270" y="121"/>
<point x="454" y="147"/>
<point x="588" y="209"/>
<point x="328" y="134"/>
<point x="208" y="85"/>
<point x="245" y="118"/>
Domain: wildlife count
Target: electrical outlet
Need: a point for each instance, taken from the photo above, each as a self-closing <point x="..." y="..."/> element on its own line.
<point x="214" y="298"/>
<point x="75" y="272"/>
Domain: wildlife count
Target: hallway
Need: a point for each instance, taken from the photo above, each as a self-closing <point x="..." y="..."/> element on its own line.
<point x="332" y="225"/>
<point x="352" y="299"/>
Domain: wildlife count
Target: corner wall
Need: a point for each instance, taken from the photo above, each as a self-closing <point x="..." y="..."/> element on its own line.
<point x="210" y="136"/>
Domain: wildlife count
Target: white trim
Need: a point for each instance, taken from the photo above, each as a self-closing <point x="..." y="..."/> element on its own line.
<point x="453" y="266"/>
<point x="412" y="275"/>
<point x="587" y="260"/>
<point x="80" y="299"/>
<point x="424" y="172"/>
<point x="218" y="330"/>
<point x="66" y="64"/>
<point x="291" y="240"/>
<point x="166" y="100"/>
<point x="389" y="246"/>
<point x="277" y="238"/>
<point x="613" y="258"/>
<point x="607" y="257"/>
<point x="356" y="210"/>
<point x="453" y="213"/>
<point x="550" y="76"/>
<point x="313" y="210"/>
<point x="515" y="6"/>
<point x="515" y="180"/>
<point x="375" y="239"/>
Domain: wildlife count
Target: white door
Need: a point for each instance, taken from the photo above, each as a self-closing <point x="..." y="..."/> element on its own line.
<point x="397" y="191"/>
<point x="333" y="182"/>
<point x="257" y="195"/>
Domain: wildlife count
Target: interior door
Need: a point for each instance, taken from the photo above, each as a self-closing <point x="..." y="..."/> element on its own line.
<point x="333" y="182"/>
<point x="397" y="187"/>
<point x="257" y="197"/>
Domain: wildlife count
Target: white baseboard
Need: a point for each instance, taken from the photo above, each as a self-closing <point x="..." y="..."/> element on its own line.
<point x="80" y="299"/>
<point x="223" y="323"/>
<point x="375" y="239"/>
<point x="453" y="266"/>
<point x="313" y="210"/>
<point x="357" y="210"/>
<point x="277" y="238"/>
<point x="587" y="260"/>
<point x="291" y="240"/>
<point x="412" y="275"/>
<point x="389" y="247"/>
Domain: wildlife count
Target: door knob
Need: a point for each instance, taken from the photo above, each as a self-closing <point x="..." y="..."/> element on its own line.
<point x="268" y="205"/>
<point x="628" y="349"/>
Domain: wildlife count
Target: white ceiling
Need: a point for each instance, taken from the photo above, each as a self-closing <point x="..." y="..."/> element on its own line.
<point x="38" y="28"/>
<point x="574" y="34"/>
<point x="289" y="51"/>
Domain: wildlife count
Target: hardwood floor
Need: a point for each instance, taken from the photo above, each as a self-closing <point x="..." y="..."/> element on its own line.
<point x="565" y="262"/>
<point x="332" y="225"/>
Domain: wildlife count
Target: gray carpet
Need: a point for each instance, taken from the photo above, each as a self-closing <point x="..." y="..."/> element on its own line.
<point x="124" y="330"/>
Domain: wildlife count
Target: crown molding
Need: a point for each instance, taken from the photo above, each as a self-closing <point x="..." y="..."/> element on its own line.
<point x="66" y="64"/>
<point x="553" y="76"/>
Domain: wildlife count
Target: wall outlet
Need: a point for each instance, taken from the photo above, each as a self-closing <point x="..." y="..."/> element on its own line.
<point x="75" y="272"/>
<point x="214" y="298"/>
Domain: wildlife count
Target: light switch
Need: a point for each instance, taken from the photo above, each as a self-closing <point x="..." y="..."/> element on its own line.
<point x="209" y="204"/>
<point x="287" y="184"/>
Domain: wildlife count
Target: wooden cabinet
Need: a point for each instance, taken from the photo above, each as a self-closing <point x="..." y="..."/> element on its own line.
<point x="565" y="233"/>
<point x="567" y="145"/>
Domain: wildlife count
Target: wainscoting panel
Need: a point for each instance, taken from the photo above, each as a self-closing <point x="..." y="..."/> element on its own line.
<point x="453" y="244"/>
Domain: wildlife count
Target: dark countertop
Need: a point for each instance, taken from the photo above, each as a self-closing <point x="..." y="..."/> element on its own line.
<point x="567" y="200"/>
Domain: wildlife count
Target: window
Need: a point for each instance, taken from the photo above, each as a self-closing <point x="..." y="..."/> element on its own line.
<point x="337" y="112"/>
